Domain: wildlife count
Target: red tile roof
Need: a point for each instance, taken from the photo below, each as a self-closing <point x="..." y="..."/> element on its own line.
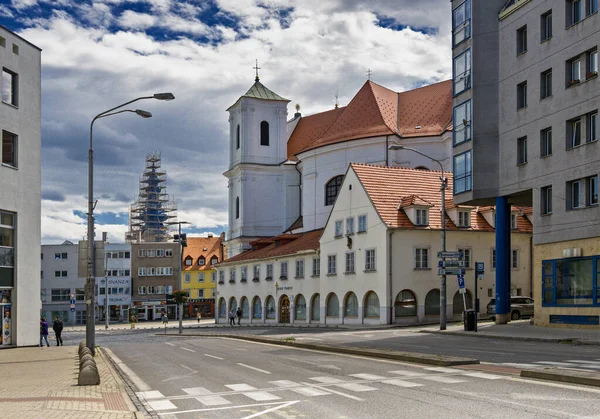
<point x="195" y="248"/>
<point x="375" y="111"/>
<point x="410" y="200"/>
<point x="282" y="245"/>
<point x="387" y="185"/>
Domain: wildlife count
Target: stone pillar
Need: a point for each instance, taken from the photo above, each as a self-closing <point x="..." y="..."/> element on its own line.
<point x="503" y="260"/>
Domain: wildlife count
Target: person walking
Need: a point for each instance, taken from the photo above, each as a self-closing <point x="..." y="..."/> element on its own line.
<point x="44" y="332"/>
<point x="232" y="317"/>
<point x="164" y="319"/>
<point x="198" y="316"/>
<point x="239" y="315"/>
<point x="57" y="326"/>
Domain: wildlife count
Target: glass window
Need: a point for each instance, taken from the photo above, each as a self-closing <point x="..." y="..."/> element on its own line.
<point x="264" y="133"/>
<point x="339" y="225"/>
<point x="350" y="263"/>
<point x="421" y="258"/>
<point x="269" y="270"/>
<point x="237" y="137"/>
<point x="546" y="84"/>
<point x="546" y="26"/>
<point x="80" y="294"/>
<point x="245" y="308"/>
<point x="574" y="133"/>
<point x="432" y="303"/>
<point x="244" y="273"/>
<point x="9" y="149"/>
<point x="350" y="225"/>
<point x="461" y="19"/>
<point x="522" y="95"/>
<point x="333" y="306"/>
<point x="592" y="190"/>
<point x="300" y="268"/>
<point x="546" y="142"/>
<point x="270" y="308"/>
<point x="592" y="63"/>
<point x="522" y="40"/>
<point x="187" y="277"/>
<point x="237" y="207"/>
<point x="405" y="304"/>
<point x="7" y="250"/>
<point x="546" y="200"/>
<point x="515" y="259"/>
<point x="221" y="277"/>
<point x="256" y="308"/>
<point x="593" y="132"/>
<point x="316" y="267"/>
<point x="573" y="71"/>
<point x="370" y="260"/>
<point x="223" y="308"/>
<point x="256" y="276"/>
<point x="592" y="7"/>
<point x="61" y="294"/>
<point x="576" y="191"/>
<point x="284" y="270"/>
<point x="300" y="308"/>
<point x="574" y="282"/>
<point x="462" y="172"/>
<point x="574" y="11"/>
<point x="351" y="306"/>
<point x="9" y="87"/>
<point x="332" y="189"/>
<point x="462" y="72"/>
<point x="201" y="261"/>
<point x="232" y="275"/>
<point x="422" y="217"/>
<point x="362" y="223"/>
<point x="464" y="218"/>
<point x="462" y="122"/>
<point x="331" y="264"/>
<point x="466" y="257"/>
<point x="200" y="276"/>
<point x="372" y="305"/>
<point x="315" y="308"/>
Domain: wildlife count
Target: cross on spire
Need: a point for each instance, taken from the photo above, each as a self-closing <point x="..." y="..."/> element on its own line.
<point x="256" y="67"/>
<point x="336" y="100"/>
<point x="369" y="73"/>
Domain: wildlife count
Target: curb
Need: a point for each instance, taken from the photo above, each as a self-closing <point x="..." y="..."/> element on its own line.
<point x="572" y="341"/>
<point x="588" y="379"/>
<point x="429" y="359"/>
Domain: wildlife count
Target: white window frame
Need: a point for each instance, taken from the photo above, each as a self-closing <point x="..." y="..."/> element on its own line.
<point x="514" y="223"/>
<point x="331" y="264"/>
<point x="270" y="270"/>
<point x="232" y="275"/>
<point x="299" y="268"/>
<point x="546" y="199"/>
<point x="142" y="253"/>
<point x="151" y="253"/>
<point x="187" y="277"/>
<point x="243" y="273"/>
<point x="151" y="271"/>
<point x="316" y="267"/>
<point x="418" y="258"/>
<point x="256" y="272"/>
<point x="593" y="129"/>
<point x="350" y="263"/>
<point x="421" y="217"/>
<point x="349" y="226"/>
<point x="141" y="271"/>
<point x="464" y="218"/>
<point x="580" y="202"/>
<point x="514" y="261"/>
<point x="370" y="261"/>
<point x="283" y="270"/>
<point x="142" y="290"/>
<point x="592" y="190"/>
<point x="339" y="228"/>
<point x="362" y="223"/>
<point x="200" y="276"/>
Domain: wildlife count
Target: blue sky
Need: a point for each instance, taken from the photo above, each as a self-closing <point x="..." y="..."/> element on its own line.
<point x="100" y="53"/>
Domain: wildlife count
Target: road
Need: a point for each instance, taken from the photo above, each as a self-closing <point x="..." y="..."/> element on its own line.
<point x="220" y="377"/>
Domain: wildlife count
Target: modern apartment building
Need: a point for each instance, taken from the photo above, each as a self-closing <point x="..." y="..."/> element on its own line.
<point x="20" y="180"/>
<point x="116" y="283"/>
<point x="525" y="118"/>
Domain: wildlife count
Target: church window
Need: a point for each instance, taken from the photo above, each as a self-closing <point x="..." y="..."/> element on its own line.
<point x="237" y="138"/>
<point x="264" y="133"/>
<point x="332" y="189"/>
<point x="237" y="207"/>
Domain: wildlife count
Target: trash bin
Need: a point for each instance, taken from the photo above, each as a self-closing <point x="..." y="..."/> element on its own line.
<point x="469" y="320"/>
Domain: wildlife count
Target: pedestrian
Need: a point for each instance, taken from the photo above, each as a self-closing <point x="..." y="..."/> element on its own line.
<point x="198" y="316"/>
<point x="57" y="326"/>
<point x="239" y="315"/>
<point x="232" y="317"/>
<point x="164" y="319"/>
<point x="44" y="332"/>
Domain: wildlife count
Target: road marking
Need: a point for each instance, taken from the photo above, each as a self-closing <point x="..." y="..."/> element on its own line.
<point x="445" y="380"/>
<point x="441" y="369"/>
<point x="305" y="391"/>
<point x="161" y="405"/>
<point x="329" y="366"/>
<point x="342" y="384"/>
<point x="225" y="408"/>
<point x="137" y="381"/>
<point x="188" y="368"/>
<point x="168" y="343"/>
<point x="271" y="410"/>
<point x="339" y="393"/>
<point x="407" y="373"/>
<point x="483" y="375"/>
<point x="518" y="365"/>
<point x="250" y="391"/>
<point x="368" y="376"/>
<point x="197" y="391"/>
<point x="401" y="383"/>
<point x="487" y="352"/>
<point x="213" y="356"/>
<point x="240" y="387"/>
<point x="150" y="395"/>
<point x="186" y="349"/>
<point x="253" y="368"/>
<point x="206" y="397"/>
<point x="558" y="364"/>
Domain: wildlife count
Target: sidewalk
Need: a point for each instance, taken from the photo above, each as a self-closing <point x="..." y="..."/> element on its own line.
<point x="522" y="330"/>
<point x="42" y="383"/>
<point x="172" y="324"/>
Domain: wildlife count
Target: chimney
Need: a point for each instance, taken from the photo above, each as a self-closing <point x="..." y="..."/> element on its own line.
<point x="210" y="235"/>
<point x="104" y="236"/>
<point x="297" y="114"/>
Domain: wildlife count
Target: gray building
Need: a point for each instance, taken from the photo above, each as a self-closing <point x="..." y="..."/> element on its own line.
<point x="116" y="283"/>
<point x="526" y="99"/>
<point x="20" y="180"/>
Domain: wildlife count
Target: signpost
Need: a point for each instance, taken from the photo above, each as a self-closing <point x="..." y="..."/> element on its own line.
<point x="479" y="271"/>
<point x="452" y="263"/>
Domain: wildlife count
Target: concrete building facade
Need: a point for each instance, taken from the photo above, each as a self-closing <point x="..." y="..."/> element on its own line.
<point x="20" y="183"/>
<point x="116" y="283"/>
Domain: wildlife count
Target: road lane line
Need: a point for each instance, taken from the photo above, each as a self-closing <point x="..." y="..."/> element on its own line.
<point x="240" y="387"/>
<point x="186" y="349"/>
<point x="137" y="381"/>
<point x="168" y="343"/>
<point x="442" y="369"/>
<point x="222" y="408"/>
<point x="445" y="380"/>
<point x="483" y="375"/>
<point x="368" y="377"/>
<point x="253" y="368"/>
<point x="213" y="356"/>
<point x="339" y="393"/>
<point x="188" y="368"/>
<point x="407" y="373"/>
<point x="487" y="352"/>
<point x="401" y="383"/>
<point x="255" y="415"/>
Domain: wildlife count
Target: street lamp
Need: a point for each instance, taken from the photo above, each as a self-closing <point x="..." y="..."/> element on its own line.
<point x="181" y="243"/>
<point x="443" y="189"/>
<point x="90" y="333"/>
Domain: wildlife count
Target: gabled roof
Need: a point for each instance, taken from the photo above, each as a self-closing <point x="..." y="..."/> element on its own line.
<point x="195" y="248"/>
<point x="408" y="201"/>
<point x="387" y="185"/>
<point x="260" y="91"/>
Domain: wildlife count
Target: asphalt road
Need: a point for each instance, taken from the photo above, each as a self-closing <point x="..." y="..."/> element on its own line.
<point x="218" y="377"/>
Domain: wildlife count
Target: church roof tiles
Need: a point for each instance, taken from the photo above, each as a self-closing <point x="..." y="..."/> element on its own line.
<point x="260" y="91"/>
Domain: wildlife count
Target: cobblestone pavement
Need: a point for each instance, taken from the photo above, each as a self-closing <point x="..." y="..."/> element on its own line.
<point x="42" y="383"/>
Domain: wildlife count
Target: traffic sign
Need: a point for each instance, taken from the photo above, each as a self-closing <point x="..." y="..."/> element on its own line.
<point x="72" y="301"/>
<point x="479" y="266"/>
<point x="461" y="281"/>
<point x="479" y="270"/>
<point x="451" y="271"/>
<point x="451" y="255"/>
<point x="72" y="309"/>
<point x="451" y="263"/>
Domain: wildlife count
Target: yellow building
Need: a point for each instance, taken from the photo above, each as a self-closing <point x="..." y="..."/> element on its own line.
<point x="198" y="274"/>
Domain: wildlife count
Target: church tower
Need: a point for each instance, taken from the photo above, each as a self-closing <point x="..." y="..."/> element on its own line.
<point x="257" y="149"/>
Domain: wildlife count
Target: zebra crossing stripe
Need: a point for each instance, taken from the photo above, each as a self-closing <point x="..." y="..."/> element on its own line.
<point x="407" y="373"/>
<point x="368" y="377"/>
<point x="442" y="369"/>
<point x="296" y="388"/>
<point x="206" y="397"/>
<point x="251" y="392"/>
<point x="445" y="380"/>
<point x="161" y="405"/>
<point x="149" y="395"/>
<point x="483" y="375"/>
<point x="343" y="384"/>
<point x="401" y="383"/>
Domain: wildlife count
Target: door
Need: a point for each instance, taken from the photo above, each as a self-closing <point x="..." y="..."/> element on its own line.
<point x="284" y="310"/>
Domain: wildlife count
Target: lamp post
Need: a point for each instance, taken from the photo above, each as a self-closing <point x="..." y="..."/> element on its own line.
<point x="90" y="334"/>
<point x="443" y="189"/>
<point x="182" y="242"/>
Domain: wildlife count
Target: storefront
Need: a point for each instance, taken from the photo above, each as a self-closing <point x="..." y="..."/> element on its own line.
<point x="119" y="298"/>
<point x="204" y="306"/>
<point x="152" y="310"/>
<point x="6" y="317"/>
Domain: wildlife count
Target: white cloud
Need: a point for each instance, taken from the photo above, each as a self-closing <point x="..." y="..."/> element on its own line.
<point x="133" y="20"/>
<point x="23" y="4"/>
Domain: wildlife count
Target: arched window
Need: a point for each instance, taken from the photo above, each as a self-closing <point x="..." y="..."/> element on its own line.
<point x="222" y="308"/>
<point x="315" y="308"/>
<point x="245" y="308"/>
<point x="237" y="137"/>
<point x="237" y="207"/>
<point x="270" y="307"/>
<point x="264" y="133"/>
<point x="351" y="305"/>
<point x="232" y="304"/>
<point x="432" y="303"/>
<point x="371" y="305"/>
<point x="406" y="304"/>
<point x="333" y="306"/>
<point x="300" y="308"/>
<point x="458" y="305"/>
<point x="256" y="308"/>
<point x="332" y="188"/>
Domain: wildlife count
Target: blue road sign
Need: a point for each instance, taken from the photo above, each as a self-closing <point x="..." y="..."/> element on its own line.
<point x="72" y="309"/>
<point x="72" y="301"/>
<point x="461" y="281"/>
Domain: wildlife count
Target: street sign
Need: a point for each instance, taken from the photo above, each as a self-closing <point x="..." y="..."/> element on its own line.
<point x="72" y="309"/>
<point x="72" y="301"/>
<point x="479" y="270"/>
<point x="461" y="283"/>
<point x="451" y="255"/>
<point x="451" y="271"/>
<point x="451" y="263"/>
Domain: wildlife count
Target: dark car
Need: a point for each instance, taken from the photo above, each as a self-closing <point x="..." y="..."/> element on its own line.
<point x="519" y="307"/>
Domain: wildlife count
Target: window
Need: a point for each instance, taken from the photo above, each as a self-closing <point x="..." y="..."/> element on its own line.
<point x="201" y="261"/>
<point x="546" y="142"/>
<point x="493" y="258"/>
<point x="15" y="49"/>
<point x="151" y="271"/>
<point x="464" y="218"/>
<point x="546" y="200"/>
<point x="264" y="133"/>
<point x="515" y="259"/>
<point x="332" y="189"/>
<point x="369" y="260"/>
<point x="522" y="150"/>
<point x="546" y="84"/>
<point x="79" y="294"/>
<point x="316" y="267"/>
<point x="300" y="268"/>
<point x="592" y="190"/>
<point x="421" y="258"/>
<point x="141" y="271"/>
<point x="200" y="276"/>
<point x="350" y="225"/>
<point x="256" y="276"/>
<point x="592" y="64"/>
<point x="256" y="308"/>
<point x="514" y="221"/>
<point x="522" y="40"/>
<point x="232" y="276"/>
<point x="300" y="306"/>
<point x="574" y="133"/>
<point x="351" y="305"/>
<point x="333" y="306"/>
<point x="188" y="261"/>
<point x="592" y="7"/>
<point x="7" y="251"/>
<point x="350" y="263"/>
<point x="60" y="256"/>
<point x="462" y="123"/>
<point x="270" y="308"/>
<point x="186" y="277"/>
<point x="214" y="260"/>
<point x="269" y="271"/>
<point x="462" y="72"/>
<point x="243" y="274"/>
<point x="9" y="149"/>
<point x="461" y="23"/>
<point x="237" y="137"/>
<point x="57" y="274"/>
<point x="142" y="290"/>
<point x="546" y="25"/>
<point x="573" y="71"/>
<point x="405" y="304"/>
<point x="571" y="282"/>
<point x="61" y="294"/>
<point x="331" y="265"/>
<point x="127" y="255"/>
<point x="362" y="223"/>
<point x="168" y="253"/>
<point x="593" y="133"/>
<point x="339" y="226"/>
<point x="221" y="277"/>
<point x="574" y="12"/>
<point x="466" y="257"/>
<point x="237" y="207"/>
<point x="151" y="253"/>
<point x="575" y="190"/>
<point x="142" y="253"/>
<point x="201" y="293"/>
<point x="214" y="276"/>
<point x="522" y="95"/>
<point x="462" y="172"/>
<point x="283" y="268"/>
<point x="2" y="42"/>
<point x="9" y="87"/>
<point x="421" y="217"/>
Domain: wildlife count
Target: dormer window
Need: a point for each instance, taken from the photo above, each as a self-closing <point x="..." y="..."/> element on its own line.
<point x="214" y="260"/>
<point x="188" y="261"/>
<point x="201" y="261"/>
<point x="422" y="217"/>
<point x="464" y="219"/>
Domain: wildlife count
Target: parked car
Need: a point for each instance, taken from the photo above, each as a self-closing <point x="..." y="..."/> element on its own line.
<point x="519" y="307"/>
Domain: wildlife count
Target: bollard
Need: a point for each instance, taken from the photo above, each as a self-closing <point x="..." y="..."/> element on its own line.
<point x="86" y="357"/>
<point x="88" y="376"/>
<point x="85" y="351"/>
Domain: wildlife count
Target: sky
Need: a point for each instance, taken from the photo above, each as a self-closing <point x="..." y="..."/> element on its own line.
<point x="97" y="54"/>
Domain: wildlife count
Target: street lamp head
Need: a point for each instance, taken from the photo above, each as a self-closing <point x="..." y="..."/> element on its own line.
<point x="143" y="114"/>
<point x="164" y="96"/>
<point x="396" y="147"/>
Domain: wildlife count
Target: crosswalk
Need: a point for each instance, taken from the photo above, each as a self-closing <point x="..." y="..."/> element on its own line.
<point x="575" y="364"/>
<point x="353" y="386"/>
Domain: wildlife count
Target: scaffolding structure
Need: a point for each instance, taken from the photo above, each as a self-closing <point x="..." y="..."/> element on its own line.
<point x="153" y="210"/>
